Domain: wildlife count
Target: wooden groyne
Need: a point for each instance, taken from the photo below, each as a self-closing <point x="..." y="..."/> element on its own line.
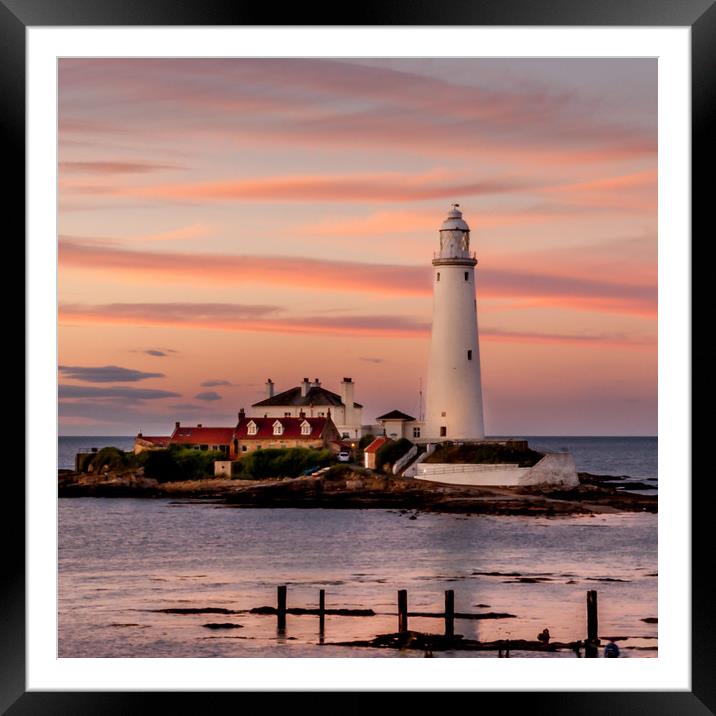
<point x="405" y="638"/>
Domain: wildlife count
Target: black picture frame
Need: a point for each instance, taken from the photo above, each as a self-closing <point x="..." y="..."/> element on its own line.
<point x="699" y="15"/>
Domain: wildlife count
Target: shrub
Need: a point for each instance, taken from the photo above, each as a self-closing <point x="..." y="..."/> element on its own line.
<point x="112" y="457"/>
<point x="282" y="462"/>
<point x="365" y="441"/>
<point x="390" y="453"/>
<point x="179" y="463"/>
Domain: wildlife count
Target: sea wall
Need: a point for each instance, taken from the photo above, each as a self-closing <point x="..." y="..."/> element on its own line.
<point x="557" y="469"/>
<point x="472" y="474"/>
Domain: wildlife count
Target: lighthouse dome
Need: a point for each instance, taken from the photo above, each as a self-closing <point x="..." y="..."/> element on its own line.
<point x="454" y="220"/>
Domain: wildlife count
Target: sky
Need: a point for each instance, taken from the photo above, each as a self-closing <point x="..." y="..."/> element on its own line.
<point x="223" y="221"/>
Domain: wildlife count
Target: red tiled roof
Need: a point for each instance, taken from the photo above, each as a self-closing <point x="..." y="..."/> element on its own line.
<point x="291" y="428"/>
<point x="377" y="444"/>
<point x="190" y="435"/>
<point x="154" y="439"/>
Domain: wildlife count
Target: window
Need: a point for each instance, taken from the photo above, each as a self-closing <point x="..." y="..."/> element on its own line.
<point x="416" y="432"/>
<point x="243" y="448"/>
<point x="251" y="428"/>
<point x="438" y="275"/>
<point x="287" y="415"/>
<point x="443" y="431"/>
<point x="277" y="428"/>
<point x="443" y="413"/>
<point x="344" y="435"/>
<point x="467" y="275"/>
<point x="469" y="355"/>
<point x="203" y="447"/>
<point x="305" y="428"/>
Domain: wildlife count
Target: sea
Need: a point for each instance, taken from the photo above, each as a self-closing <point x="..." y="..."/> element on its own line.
<point x="123" y="561"/>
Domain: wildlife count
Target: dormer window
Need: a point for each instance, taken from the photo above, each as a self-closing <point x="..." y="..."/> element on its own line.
<point x="251" y="428"/>
<point x="278" y="428"/>
<point x="305" y="428"/>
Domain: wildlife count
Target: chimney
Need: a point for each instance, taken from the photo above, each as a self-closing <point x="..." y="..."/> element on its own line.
<point x="316" y="383"/>
<point x="269" y="388"/>
<point x="242" y="414"/>
<point x="304" y="387"/>
<point x="347" y="386"/>
<point x="302" y="414"/>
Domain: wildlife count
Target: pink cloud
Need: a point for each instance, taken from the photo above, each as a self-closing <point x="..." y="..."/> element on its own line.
<point x="574" y="292"/>
<point x="113" y="167"/>
<point x="376" y="187"/>
<point x="239" y="317"/>
<point x="341" y="103"/>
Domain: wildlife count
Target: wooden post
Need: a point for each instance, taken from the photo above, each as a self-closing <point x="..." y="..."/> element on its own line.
<point x="281" y="607"/>
<point x="321" y="610"/>
<point x="449" y="613"/>
<point x="590" y="646"/>
<point x="402" y="610"/>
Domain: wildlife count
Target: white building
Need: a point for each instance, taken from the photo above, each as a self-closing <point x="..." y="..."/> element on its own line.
<point x="397" y="424"/>
<point x="312" y="400"/>
<point x="453" y="405"/>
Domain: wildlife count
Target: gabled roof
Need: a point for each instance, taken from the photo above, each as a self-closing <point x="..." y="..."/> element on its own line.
<point x="291" y="427"/>
<point x="377" y="444"/>
<point x="188" y="435"/>
<point x="316" y="395"/>
<point x="395" y="415"/>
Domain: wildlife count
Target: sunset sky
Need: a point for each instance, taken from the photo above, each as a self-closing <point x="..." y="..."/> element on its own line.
<point x="227" y="220"/>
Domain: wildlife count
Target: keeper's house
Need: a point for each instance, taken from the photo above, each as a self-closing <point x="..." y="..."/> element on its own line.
<point x="312" y="400"/>
<point x="286" y="432"/>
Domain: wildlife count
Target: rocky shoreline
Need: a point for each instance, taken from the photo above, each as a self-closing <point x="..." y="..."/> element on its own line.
<point x="595" y="494"/>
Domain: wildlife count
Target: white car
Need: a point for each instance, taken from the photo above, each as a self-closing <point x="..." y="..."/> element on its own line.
<point x="344" y="456"/>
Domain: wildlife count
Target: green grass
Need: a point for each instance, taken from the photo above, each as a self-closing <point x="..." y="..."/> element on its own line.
<point x="485" y="453"/>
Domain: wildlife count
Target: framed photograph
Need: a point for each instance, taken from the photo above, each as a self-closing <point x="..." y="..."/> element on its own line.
<point x="359" y="341"/>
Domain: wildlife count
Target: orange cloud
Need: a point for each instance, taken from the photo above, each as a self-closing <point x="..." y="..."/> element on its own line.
<point x="193" y="231"/>
<point x="398" y="222"/>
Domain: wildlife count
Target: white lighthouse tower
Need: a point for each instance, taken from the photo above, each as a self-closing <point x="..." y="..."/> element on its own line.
<point x="453" y="406"/>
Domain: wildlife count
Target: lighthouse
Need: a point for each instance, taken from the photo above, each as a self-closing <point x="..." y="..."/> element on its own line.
<point x="453" y="404"/>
